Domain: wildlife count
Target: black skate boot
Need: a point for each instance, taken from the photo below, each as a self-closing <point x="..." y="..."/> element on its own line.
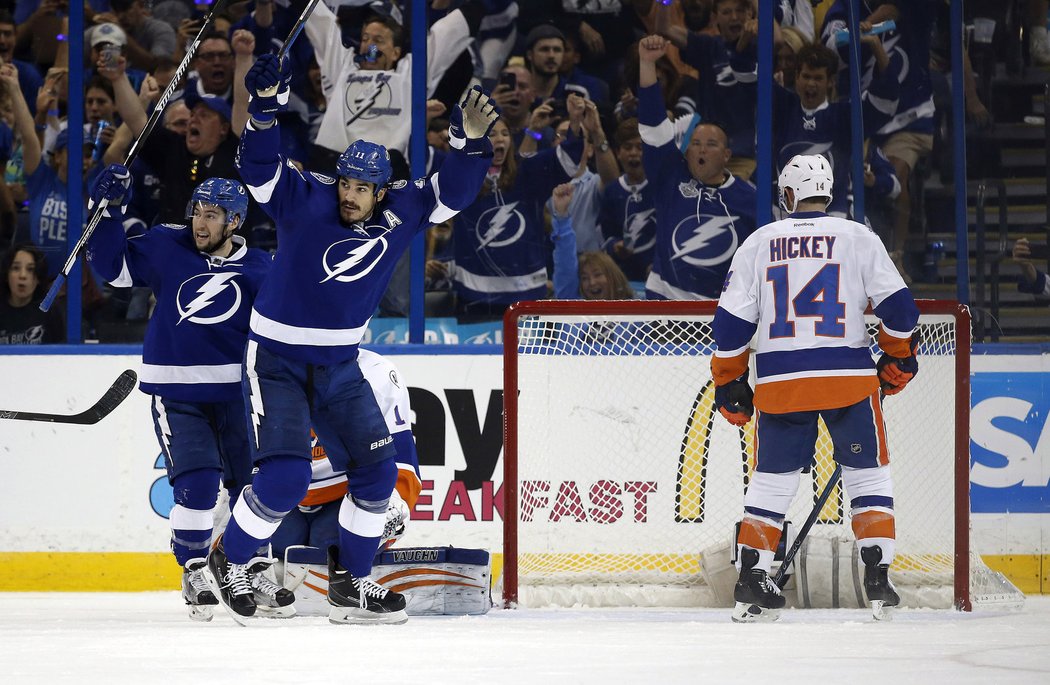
<point x="877" y="585"/>
<point x="271" y="599"/>
<point x="231" y="584"/>
<point x="196" y="592"/>
<point x="360" y="600"/>
<point x="757" y="597"/>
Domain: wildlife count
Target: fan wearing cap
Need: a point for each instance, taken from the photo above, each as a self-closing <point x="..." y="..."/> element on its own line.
<point x="108" y="44"/>
<point x="370" y="87"/>
<point x="181" y="162"/>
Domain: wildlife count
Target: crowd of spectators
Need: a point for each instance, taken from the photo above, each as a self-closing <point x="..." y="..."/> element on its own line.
<point x="617" y="172"/>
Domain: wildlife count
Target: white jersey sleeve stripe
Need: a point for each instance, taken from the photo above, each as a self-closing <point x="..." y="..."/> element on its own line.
<point x="302" y="335"/>
<point x="264" y="192"/>
<point x="658" y="135"/>
<point x="219" y="373"/>
<point x="124" y="279"/>
<point x="441" y="212"/>
<point x="896" y="334"/>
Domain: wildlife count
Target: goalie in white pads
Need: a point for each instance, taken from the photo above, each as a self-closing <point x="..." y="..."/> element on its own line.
<point x="803" y="285"/>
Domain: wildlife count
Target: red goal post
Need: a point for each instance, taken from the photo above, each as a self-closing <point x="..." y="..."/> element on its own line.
<point x="611" y="395"/>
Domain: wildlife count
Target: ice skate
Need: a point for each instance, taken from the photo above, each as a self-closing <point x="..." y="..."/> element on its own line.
<point x="200" y="600"/>
<point x="231" y="584"/>
<point x="757" y="597"/>
<point x="271" y="600"/>
<point x="360" y="600"/>
<point x="877" y="585"/>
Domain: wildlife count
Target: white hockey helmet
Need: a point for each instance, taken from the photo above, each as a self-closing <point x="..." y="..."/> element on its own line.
<point x="807" y="176"/>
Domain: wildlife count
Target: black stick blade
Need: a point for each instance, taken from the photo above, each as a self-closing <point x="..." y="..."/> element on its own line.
<point x="116" y="394"/>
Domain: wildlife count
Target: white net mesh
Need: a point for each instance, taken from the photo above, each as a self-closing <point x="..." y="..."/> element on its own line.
<point x="626" y="474"/>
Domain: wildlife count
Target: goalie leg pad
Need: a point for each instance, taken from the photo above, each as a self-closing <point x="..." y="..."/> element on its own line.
<point x="436" y="581"/>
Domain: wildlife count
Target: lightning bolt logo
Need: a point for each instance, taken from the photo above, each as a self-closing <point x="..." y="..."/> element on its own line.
<point x="635" y="230"/>
<point x="356" y="257"/>
<point x="495" y="222"/>
<point x="701" y="237"/>
<point x="206" y="294"/>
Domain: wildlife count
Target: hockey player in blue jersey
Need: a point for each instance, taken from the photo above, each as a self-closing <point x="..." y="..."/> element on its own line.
<point x="338" y="241"/>
<point x="703" y="212"/>
<point x="204" y="279"/>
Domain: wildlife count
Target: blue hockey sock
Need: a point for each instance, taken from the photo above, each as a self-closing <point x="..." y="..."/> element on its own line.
<point x="363" y="515"/>
<point x="277" y="488"/>
<point x="191" y="518"/>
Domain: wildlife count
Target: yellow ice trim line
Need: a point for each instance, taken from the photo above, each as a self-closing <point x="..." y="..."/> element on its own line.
<point x="88" y="572"/>
<point x="151" y="571"/>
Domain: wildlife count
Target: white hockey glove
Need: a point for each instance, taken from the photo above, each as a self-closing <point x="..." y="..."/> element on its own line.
<point x="474" y="117"/>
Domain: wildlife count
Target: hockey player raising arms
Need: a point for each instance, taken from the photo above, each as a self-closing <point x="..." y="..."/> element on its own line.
<point x="204" y="279"/>
<point x="338" y="241"/>
<point x="804" y="283"/>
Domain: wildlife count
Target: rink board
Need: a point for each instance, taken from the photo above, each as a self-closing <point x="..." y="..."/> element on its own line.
<point x="100" y="492"/>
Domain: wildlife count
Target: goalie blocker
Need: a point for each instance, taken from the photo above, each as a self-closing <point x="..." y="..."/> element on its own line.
<point x="436" y="581"/>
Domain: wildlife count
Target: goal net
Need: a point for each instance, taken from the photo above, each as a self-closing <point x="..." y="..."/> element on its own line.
<point x="623" y="484"/>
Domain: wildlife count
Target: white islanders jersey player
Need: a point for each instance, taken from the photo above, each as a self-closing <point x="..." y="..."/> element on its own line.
<point x="809" y="279"/>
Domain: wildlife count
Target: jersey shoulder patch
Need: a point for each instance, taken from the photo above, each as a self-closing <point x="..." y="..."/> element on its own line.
<point x="323" y="178"/>
<point x="398" y="185"/>
<point x="420" y="182"/>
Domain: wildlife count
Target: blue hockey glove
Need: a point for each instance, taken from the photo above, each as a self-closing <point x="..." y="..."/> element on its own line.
<point x="114" y="186"/>
<point x="735" y="400"/>
<point x="268" y="90"/>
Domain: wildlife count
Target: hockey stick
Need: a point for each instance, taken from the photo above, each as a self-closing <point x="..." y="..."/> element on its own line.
<point x="151" y="123"/>
<point x="296" y="30"/>
<point x="116" y="394"/>
<point x="817" y="508"/>
<point x="755" y="612"/>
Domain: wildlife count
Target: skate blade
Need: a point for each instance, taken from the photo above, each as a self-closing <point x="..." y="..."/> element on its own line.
<point x="881" y="612"/>
<point x="356" y="615"/>
<point x="201" y="613"/>
<point x="744" y="612"/>
<point x="274" y="612"/>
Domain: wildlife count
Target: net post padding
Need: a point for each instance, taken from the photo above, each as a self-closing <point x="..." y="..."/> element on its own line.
<point x="617" y="476"/>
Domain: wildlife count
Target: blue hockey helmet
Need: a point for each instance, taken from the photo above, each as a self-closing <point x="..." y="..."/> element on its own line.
<point x="222" y="192"/>
<point x="365" y="161"/>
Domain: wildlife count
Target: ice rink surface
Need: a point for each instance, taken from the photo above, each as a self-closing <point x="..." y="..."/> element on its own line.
<point x="146" y="638"/>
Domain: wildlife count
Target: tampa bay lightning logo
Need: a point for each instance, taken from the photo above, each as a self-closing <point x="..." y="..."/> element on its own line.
<point x="208" y="298"/>
<point x="500" y="226"/>
<point x="808" y="148"/>
<point x="705" y="242"/>
<point x="348" y="260"/>
<point x="368" y="96"/>
<point x="639" y="233"/>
